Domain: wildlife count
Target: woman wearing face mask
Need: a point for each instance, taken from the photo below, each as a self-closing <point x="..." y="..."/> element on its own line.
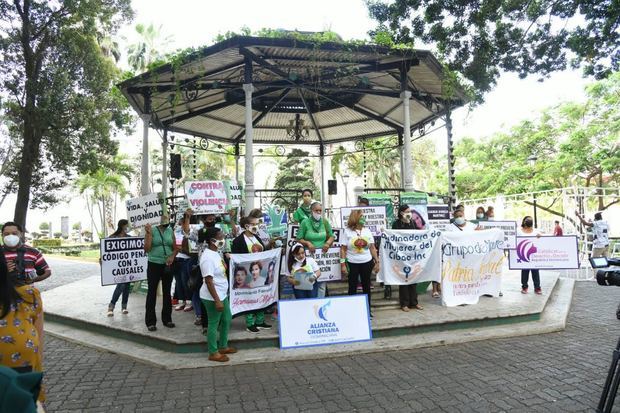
<point x="249" y="242"/>
<point x="490" y="213"/>
<point x="358" y="250"/>
<point x="527" y="230"/>
<point x="122" y="288"/>
<point x="480" y="214"/>
<point x="460" y="223"/>
<point x="316" y="232"/>
<point x="160" y="247"/>
<point x="407" y="294"/>
<point x="214" y="295"/>
<point x="20" y="307"/>
<point x="299" y="262"/>
<point x="304" y="210"/>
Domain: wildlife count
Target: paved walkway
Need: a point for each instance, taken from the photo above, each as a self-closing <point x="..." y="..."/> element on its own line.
<point x="558" y="372"/>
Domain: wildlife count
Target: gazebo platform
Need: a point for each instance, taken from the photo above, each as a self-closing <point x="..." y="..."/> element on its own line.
<point x="84" y="321"/>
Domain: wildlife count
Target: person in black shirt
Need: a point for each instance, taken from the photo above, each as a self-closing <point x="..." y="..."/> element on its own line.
<point x="408" y="295"/>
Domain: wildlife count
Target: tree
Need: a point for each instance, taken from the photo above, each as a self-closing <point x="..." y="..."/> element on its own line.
<point x="60" y="102"/>
<point x="149" y="47"/>
<point x="480" y="39"/>
<point x="572" y="144"/>
<point x="296" y="171"/>
<point x="44" y="226"/>
<point x="101" y="189"/>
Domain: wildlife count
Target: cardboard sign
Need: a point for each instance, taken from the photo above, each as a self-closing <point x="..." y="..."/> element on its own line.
<point x="207" y="197"/>
<point x="146" y="209"/>
<point x="509" y="228"/>
<point x="323" y="321"/>
<point x="375" y="218"/>
<point x="234" y="192"/>
<point x="546" y="253"/>
<point x="329" y="262"/>
<point x="123" y="260"/>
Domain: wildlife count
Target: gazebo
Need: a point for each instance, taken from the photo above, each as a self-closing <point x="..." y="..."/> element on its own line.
<point x="262" y="90"/>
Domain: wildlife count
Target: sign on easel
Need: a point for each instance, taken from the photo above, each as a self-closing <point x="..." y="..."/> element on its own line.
<point x="322" y="321"/>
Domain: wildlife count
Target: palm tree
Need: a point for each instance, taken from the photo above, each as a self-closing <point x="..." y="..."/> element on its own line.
<point x="148" y="48"/>
<point x="100" y="188"/>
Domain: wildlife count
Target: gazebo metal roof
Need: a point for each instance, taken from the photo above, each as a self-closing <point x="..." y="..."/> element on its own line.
<point x="342" y="92"/>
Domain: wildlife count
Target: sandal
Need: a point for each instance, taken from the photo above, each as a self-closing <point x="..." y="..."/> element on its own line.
<point x="405" y="309"/>
<point x="110" y="313"/>
<point x="418" y="307"/>
<point x="436" y="294"/>
<point x="151" y="328"/>
<point x="125" y="311"/>
<point x="188" y="308"/>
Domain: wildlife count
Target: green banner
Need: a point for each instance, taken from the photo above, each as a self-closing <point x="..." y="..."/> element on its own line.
<point x="382" y="200"/>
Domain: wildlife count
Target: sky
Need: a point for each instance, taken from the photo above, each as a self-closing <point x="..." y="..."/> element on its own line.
<point x="195" y="23"/>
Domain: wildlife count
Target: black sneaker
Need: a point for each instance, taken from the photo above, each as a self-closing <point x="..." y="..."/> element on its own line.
<point x="263" y="326"/>
<point x="252" y="329"/>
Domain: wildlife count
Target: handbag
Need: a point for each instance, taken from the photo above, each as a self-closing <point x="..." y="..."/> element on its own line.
<point x="194" y="282"/>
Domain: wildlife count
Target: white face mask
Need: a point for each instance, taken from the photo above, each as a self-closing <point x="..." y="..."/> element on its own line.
<point x="407" y="216"/>
<point x="300" y="260"/>
<point x="480" y="216"/>
<point x="459" y="221"/>
<point x="11" y="241"/>
<point x="316" y="216"/>
<point x="219" y="243"/>
<point x="253" y="229"/>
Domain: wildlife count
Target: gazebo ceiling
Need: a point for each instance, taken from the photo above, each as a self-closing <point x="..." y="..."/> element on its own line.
<point x="341" y="92"/>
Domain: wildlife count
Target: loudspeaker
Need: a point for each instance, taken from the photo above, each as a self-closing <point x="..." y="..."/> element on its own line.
<point x="175" y="166"/>
<point x="332" y="188"/>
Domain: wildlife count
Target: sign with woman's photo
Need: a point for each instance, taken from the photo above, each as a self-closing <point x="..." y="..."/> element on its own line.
<point x="253" y="280"/>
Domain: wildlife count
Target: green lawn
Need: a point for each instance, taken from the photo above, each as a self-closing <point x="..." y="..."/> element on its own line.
<point x="88" y="255"/>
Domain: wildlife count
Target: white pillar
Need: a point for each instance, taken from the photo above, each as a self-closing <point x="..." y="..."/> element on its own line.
<point x="237" y="168"/>
<point x="249" y="152"/>
<point x="164" y="166"/>
<point x="407" y="171"/>
<point x="323" y="193"/>
<point x="144" y="171"/>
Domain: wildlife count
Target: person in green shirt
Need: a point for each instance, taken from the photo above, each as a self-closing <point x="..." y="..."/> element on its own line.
<point x="316" y="232"/>
<point x="303" y="211"/>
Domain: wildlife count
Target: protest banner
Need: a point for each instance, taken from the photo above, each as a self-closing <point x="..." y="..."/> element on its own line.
<point x="545" y="253"/>
<point x="509" y="228"/>
<point x="410" y="256"/>
<point x="253" y="280"/>
<point x="375" y="218"/>
<point x="234" y="193"/>
<point x="123" y="260"/>
<point x="206" y="197"/>
<point x="438" y="216"/>
<point x="472" y="265"/>
<point x="323" y="321"/>
<point x="147" y="209"/>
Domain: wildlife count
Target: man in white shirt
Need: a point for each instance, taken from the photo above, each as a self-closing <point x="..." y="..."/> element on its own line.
<point x="600" y="229"/>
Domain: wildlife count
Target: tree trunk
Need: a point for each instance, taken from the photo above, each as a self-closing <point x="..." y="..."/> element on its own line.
<point x="599" y="192"/>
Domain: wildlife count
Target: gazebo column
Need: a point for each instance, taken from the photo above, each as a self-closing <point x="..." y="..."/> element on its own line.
<point x="400" y="157"/>
<point x="237" y="162"/>
<point x="164" y="166"/>
<point x="407" y="168"/>
<point x="451" y="177"/>
<point x="248" y="88"/>
<point x="144" y="170"/>
<point x="322" y="160"/>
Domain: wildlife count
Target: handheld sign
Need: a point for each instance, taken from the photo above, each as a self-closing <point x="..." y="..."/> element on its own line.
<point x="375" y="218"/>
<point x="439" y="216"/>
<point x="545" y="253"/>
<point x="123" y="260"/>
<point x="509" y="228"/>
<point x="207" y="197"/>
<point x="146" y="209"/>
